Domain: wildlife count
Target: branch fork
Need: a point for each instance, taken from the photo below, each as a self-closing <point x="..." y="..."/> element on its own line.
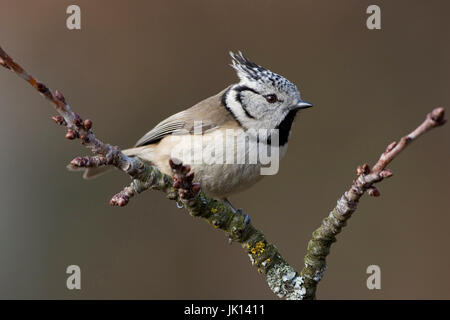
<point x="281" y="278"/>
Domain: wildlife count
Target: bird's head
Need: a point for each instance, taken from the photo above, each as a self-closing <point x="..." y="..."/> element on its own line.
<point x="262" y="99"/>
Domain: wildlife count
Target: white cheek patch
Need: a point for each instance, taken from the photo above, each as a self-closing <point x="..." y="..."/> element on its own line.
<point x="263" y="118"/>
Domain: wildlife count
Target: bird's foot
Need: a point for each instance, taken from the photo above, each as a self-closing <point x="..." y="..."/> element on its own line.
<point x="235" y="211"/>
<point x="239" y="212"/>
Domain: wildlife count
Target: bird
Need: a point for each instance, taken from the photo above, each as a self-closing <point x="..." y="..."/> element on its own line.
<point x="262" y="101"/>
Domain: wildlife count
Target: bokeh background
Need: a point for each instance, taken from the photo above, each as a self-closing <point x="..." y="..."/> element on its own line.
<point x="137" y="62"/>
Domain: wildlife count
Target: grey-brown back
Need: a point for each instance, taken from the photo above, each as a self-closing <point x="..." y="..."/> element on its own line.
<point x="210" y="112"/>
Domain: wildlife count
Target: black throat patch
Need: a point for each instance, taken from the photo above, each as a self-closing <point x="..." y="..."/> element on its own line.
<point x="285" y="126"/>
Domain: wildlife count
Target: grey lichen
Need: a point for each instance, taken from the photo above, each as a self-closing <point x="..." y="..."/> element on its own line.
<point x="251" y="259"/>
<point x="285" y="282"/>
<point x="318" y="275"/>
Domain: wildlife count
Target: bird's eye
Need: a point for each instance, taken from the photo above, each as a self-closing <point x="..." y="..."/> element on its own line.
<point x="271" y="98"/>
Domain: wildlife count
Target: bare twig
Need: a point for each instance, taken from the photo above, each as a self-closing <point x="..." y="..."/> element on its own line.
<point x="105" y="154"/>
<point x="434" y="119"/>
<point x="282" y="278"/>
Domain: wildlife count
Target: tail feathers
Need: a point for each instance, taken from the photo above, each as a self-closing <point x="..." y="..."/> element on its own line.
<point x="91" y="173"/>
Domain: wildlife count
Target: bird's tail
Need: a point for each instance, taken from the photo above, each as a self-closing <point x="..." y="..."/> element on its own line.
<point x="90" y="173"/>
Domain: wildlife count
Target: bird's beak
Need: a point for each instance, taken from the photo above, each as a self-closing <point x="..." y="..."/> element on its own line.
<point x="302" y="105"/>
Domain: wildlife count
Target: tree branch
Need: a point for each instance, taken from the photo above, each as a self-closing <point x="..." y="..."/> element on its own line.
<point x="325" y="235"/>
<point x="282" y="278"/>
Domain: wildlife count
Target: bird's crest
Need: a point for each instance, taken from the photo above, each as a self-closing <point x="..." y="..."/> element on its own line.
<point x="250" y="71"/>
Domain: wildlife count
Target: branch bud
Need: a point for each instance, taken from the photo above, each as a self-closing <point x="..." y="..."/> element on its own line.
<point x="59" y="120"/>
<point x="60" y="97"/>
<point x="77" y="120"/>
<point x="391" y="146"/>
<point x="71" y="134"/>
<point x="87" y="124"/>
<point x="373" y="191"/>
<point x="364" y="169"/>
<point x="386" y="173"/>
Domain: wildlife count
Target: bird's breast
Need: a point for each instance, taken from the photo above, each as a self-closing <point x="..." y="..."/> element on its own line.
<point x="222" y="164"/>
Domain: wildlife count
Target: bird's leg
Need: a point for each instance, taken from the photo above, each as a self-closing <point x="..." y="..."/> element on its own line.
<point x="231" y="206"/>
<point x="238" y="211"/>
<point x="183" y="182"/>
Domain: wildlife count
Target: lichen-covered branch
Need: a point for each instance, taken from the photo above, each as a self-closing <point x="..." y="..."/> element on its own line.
<point x="282" y="278"/>
<point x="325" y="235"/>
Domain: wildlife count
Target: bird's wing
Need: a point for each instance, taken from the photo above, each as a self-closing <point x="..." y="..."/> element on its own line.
<point x="208" y="114"/>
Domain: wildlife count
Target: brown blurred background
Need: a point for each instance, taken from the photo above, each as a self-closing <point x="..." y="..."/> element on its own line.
<point x="137" y="62"/>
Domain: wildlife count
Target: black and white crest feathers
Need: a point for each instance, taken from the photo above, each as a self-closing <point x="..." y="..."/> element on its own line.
<point x="250" y="71"/>
<point x="247" y="68"/>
